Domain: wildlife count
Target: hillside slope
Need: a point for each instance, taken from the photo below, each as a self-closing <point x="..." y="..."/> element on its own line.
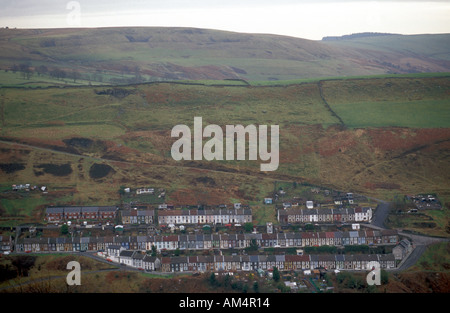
<point x="121" y="55"/>
<point x="379" y="137"/>
<point x="412" y="53"/>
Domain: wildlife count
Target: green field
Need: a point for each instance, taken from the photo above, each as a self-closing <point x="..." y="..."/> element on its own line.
<point x="359" y="103"/>
<point x="347" y="78"/>
<point x="420" y="114"/>
<point x="404" y="101"/>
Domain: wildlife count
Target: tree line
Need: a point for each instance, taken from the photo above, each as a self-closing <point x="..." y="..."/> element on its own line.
<point x="27" y="71"/>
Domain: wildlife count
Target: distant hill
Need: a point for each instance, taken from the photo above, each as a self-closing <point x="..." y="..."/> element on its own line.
<point x="140" y="54"/>
<point x="418" y="50"/>
<point x="355" y="36"/>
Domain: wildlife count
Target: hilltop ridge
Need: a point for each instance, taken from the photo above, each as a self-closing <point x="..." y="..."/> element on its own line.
<point x="140" y="54"/>
<point x="356" y="35"/>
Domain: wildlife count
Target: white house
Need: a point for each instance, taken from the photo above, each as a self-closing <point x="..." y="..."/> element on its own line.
<point x="113" y="252"/>
<point x="309" y="205"/>
<point x="138" y="259"/>
<point x="126" y="257"/>
<point x="363" y="214"/>
<point x="151" y="263"/>
<point x="145" y="190"/>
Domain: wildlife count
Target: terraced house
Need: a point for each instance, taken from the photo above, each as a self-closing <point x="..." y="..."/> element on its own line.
<point x="138" y="216"/>
<point x="6" y="243"/>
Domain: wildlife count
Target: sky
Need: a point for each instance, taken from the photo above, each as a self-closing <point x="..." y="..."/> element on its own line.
<point x="309" y="19"/>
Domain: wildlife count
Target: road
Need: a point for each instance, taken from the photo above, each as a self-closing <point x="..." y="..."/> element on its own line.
<point x="412" y="258"/>
<point x="381" y="213"/>
<point x="420" y="242"/>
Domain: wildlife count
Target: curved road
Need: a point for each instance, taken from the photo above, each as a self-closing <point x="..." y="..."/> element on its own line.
<point x="381" y="213"/>
<point x="420" y="242"/>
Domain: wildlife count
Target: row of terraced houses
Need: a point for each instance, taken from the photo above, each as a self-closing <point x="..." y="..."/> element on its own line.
<point x="324" y="215"/>
<point x="210" y="241"/>
<point x="165" y="217"/>
<point x="282" y="262"/>
<point x="58" y="214"/>
<point x="208" y="216"/>
<point x="231" y="263"/>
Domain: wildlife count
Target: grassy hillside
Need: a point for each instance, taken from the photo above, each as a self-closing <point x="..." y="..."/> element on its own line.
<point x="124" y="55"/>
<point x="381" y="137"/>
